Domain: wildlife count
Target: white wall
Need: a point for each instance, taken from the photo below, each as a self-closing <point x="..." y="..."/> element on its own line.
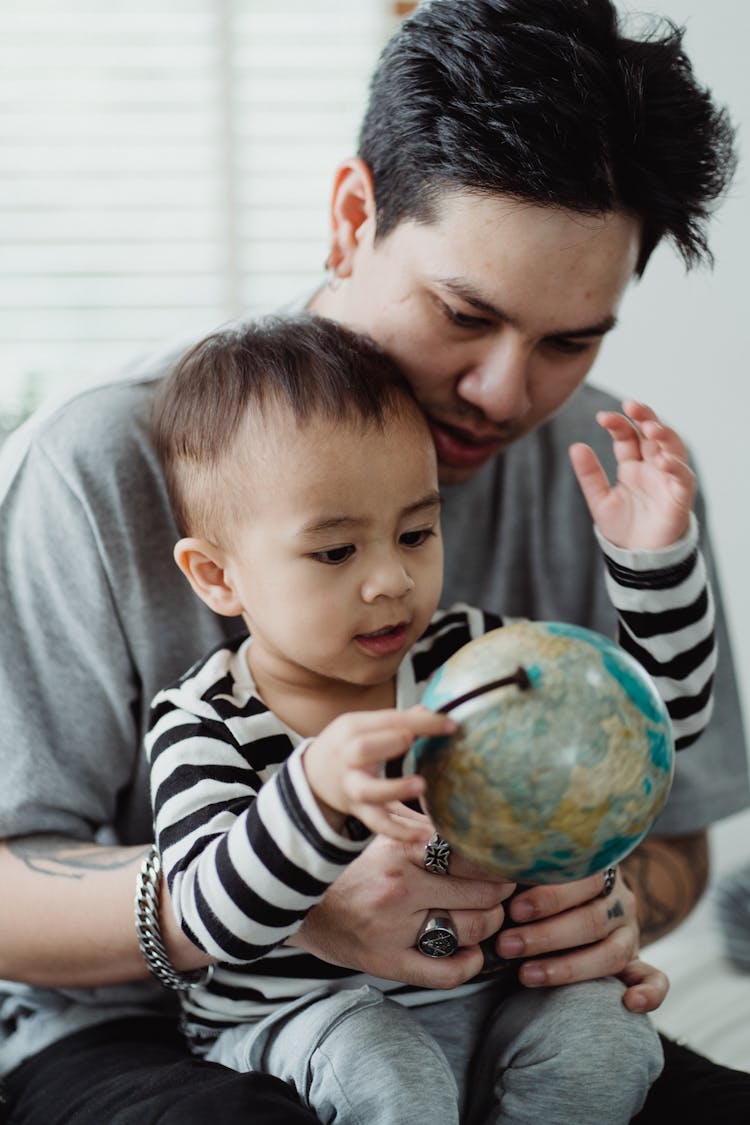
<point x="683" y="340"/>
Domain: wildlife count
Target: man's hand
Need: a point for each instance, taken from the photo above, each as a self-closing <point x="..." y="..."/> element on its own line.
<point x="568" y="932"/>
<point x="370" y="917"/>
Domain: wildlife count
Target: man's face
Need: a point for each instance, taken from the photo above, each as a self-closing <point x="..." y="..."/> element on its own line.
<point x="495" y="312"/>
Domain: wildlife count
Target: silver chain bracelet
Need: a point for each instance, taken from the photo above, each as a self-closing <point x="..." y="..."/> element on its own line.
<point x="148" y="929"/>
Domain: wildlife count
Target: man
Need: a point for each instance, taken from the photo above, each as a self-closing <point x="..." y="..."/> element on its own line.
<point x="518" y="163"/>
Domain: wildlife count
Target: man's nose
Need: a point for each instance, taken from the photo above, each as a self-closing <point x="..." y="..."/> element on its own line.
<point x="387" y="578"/>
<point x="498" y="384"/>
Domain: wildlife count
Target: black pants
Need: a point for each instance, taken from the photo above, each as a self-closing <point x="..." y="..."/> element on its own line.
<point x="137" y="1072"/>
<point x="695" y="1091"/>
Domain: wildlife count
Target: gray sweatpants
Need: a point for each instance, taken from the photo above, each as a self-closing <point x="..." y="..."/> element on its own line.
<point x="516" y="1056"/>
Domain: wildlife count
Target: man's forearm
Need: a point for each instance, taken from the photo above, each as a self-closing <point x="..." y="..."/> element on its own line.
<point x="668" y="875"/>
<point x="67" y="919"/>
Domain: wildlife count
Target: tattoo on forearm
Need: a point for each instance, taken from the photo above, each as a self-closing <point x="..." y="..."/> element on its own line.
<point x="667" y="879"/>
<point x="64" y="858"/>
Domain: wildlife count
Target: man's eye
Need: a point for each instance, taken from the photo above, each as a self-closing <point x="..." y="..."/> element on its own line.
<point x="463" y="320"/>
<point x="416" y="538"/>
<point x="334" y="555"/>
<point x="569" y="347"/>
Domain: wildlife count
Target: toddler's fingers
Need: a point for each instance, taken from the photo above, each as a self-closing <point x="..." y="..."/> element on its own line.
<point x="393" y="741"/>
<point x="682" y="476"/>
<point x="677" y="467"/>
<point x="421" y="721"/>
<point x="420" y="820"/>
<point x="653" y="428"/>
<point x="361" y="788"/>
<point x="591" y="477"/>
<point x="626" y="437"/>
<point x="379" y="821"/>
<point x="639" y="412"/>
<point x="667" y="439"/>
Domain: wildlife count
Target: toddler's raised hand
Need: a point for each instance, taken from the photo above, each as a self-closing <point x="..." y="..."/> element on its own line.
<point x="649" y="505"/>
<point x="344" y="765"/>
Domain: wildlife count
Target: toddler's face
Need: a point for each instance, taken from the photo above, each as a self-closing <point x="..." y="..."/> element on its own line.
<point x="339" y="566"/>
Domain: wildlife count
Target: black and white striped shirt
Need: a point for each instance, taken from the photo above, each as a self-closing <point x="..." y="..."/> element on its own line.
<point x="245" y="848"/>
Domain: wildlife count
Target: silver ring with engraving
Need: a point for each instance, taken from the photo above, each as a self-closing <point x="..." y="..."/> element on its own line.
<point x="437" y="855"/>
<point x="610" y="878"/>
<point x="437" y="938"/>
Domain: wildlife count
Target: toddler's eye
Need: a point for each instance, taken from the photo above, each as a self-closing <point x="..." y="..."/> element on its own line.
<point x="334" y="555"/>
<point x="416" y="538"/>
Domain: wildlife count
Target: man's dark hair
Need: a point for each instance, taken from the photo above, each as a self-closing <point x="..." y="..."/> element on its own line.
<point x="311" y="366"/>
<point x="548" y="102"/>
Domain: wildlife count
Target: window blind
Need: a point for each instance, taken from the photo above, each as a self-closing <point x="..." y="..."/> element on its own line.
<point x="164" y="165"/>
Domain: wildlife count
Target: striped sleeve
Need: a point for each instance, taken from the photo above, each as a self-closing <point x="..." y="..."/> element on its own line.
<point x="246" y="855"/>
<point x="449" y="630"/>
<point x="666" y="621"/>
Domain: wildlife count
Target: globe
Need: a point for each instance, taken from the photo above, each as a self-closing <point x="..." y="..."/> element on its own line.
<point x="563" y="756"/>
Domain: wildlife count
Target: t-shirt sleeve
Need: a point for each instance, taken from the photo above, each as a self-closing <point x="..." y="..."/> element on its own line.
<point x="62" y="762"/>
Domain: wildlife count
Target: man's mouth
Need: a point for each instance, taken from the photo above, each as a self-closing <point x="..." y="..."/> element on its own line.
<point x="463" y="449"/>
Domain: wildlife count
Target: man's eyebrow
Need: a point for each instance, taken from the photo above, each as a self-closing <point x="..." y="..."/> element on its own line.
<point x="470" y="295"/>
<point x="343" y="523"/>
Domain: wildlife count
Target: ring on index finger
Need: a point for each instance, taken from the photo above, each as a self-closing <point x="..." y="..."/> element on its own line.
<point x="610" y="878"/>
<point x="437" y="855"/>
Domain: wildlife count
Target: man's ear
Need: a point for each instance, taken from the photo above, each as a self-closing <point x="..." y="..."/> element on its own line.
<point x="352" y="214"/>
<point x="204" y="566"/>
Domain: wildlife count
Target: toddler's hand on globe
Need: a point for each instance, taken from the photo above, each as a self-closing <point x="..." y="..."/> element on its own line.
<point x="344" y="766"/>
<point x="649" y="505"/>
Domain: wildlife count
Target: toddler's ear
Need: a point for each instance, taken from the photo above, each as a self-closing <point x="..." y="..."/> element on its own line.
<point x="204" y="566"/>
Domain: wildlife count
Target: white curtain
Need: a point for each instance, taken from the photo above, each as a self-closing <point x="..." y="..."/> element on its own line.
<point x="164" y="165"/>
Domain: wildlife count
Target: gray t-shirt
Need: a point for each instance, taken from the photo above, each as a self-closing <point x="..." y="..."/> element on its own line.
<point x="96" y="619"/>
